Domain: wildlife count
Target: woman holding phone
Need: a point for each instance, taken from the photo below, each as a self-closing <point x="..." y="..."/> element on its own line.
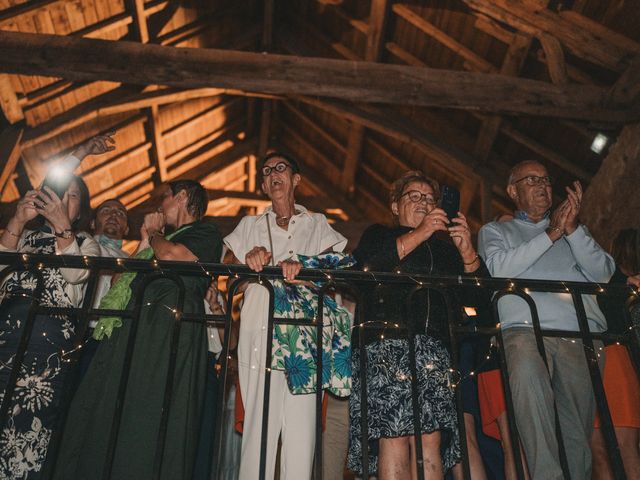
<point x="411" y="246"/>
<point x="39" y="384"/>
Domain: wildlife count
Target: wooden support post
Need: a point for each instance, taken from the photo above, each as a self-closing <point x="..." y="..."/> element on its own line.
<point x="9" y="153"/>
<point x="157" y="152"/>
<point x="486" y="197"/>
<point x="511" y="65"/>
<point x="139" y="31"/>
<point x="9" y="100"/>
<point x="378" y="15"/>
<point x="555" y="58"/>
<point x="354" y="147"/>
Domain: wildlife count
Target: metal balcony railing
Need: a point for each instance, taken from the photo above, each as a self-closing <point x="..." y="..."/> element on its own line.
<point x="350" y="281"/>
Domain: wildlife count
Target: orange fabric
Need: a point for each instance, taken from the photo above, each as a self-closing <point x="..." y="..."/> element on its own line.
<point x="621" y="387"/>
<point x="239" y="416"/>
<point x="492" y="403"/>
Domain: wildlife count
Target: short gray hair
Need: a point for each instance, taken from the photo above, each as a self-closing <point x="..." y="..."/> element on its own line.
<point x="518" y="166"/>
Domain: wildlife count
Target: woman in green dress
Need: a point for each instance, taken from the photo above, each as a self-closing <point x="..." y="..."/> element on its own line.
<point x="84" y="450"/>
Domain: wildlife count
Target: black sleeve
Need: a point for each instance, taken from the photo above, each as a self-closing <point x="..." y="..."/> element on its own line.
<point x="377" y="249"/>
<point x="472" y="295"/>
<point x="613" y="306"/>
<point x="203" y="240"/>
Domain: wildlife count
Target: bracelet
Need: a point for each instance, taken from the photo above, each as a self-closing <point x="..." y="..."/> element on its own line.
<point x="11" y="233"/>
<point x="472" y="261"/>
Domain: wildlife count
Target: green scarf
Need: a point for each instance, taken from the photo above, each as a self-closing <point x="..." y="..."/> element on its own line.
<point x="119" y="295"/>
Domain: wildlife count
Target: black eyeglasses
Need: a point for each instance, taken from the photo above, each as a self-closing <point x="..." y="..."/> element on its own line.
<point x="415" y="196"/>
<point x="278" y="167"/>
<point x="534" y="180"/>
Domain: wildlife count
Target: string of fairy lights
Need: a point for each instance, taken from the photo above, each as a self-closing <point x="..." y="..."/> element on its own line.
<point x="455" y="376"/>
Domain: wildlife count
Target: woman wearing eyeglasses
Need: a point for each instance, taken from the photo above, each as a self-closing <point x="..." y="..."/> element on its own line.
<point x="276" y="237"/>
<point x="417" y="244"/>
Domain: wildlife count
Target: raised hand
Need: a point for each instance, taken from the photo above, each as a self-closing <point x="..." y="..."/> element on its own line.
<point x="153" y="223"/>
<point x="435" y="220"/>
<point x="461" y="236"/>
<point x="26" y="209"/>
<point x="574" y="199"/>
<point x="97" y="145"/>
<point x="50" y="206"/>
<point x="558" y="221"/>
<point x="257" y="258"/>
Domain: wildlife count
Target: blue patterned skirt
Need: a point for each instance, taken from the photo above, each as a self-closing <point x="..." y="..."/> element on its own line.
<point x="390" y="412"/>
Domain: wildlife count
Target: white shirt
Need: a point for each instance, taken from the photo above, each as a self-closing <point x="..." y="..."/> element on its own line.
<point x="75" y="277"/>
<point x="308" y="234"/>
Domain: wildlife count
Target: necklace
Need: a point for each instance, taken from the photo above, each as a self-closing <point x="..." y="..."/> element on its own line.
<point x="282" y="221"/>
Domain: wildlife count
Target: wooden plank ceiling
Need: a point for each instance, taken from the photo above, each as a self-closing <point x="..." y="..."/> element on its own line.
<point x="462" y="89"/>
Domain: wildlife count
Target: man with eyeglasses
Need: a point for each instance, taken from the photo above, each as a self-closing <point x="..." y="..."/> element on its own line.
<point x="284" y="230"/>
<point x="541" y="243"/>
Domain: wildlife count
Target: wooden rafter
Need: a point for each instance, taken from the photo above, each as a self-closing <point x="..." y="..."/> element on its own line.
<point x="369" y="82"/>
<point x="511" y="65"/>
<point x="81" y="113"/>
<point x="378" y="15"/>
<point x="9" y="100"/>
<point x="554" y="56"/>
<point x="267" y="105"/>
<point x="585" y="39"/>
<point x="10" y="150"/>
<point x="477" y="62"/>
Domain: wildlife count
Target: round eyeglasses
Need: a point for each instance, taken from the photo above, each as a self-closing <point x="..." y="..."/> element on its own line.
<point x="415" y="196"/>
<point x="278" y="167"/>
<point x="534" y="180"/>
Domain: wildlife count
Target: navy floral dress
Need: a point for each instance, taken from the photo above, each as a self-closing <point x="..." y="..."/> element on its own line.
<point x="388" y="372"/>
<point x="33" y="412"/>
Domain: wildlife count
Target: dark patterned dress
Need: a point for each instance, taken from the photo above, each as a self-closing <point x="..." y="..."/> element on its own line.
<point x="388" y="373"/>
<point x="39" y="387"/>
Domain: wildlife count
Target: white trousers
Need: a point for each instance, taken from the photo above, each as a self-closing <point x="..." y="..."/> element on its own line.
<point x="291" y="417"/>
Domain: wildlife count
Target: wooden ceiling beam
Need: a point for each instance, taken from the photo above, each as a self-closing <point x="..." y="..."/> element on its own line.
<point x="9" y="100"/>
<point x="316" y="178"/>
<point x="10" y="151"/>
<point x="309" y="124"/>
<point x="588" y="40"/>
<point x="78" y="115"/>
<point x="477" y="62"/>
<point x="378" y="19"/>
<point x="393" y="125"/>
<point x="511" y="65"/>
<point x="266" y="112"/>
<point x="9" y="15"/>
<point x="546" y="152"/>
<point x="206" y="171"/>
<point x="116" y="162"/>
<point x="554" y="55"/>
<point x="53" y="55"/>
<point x="139" y="32"/>
<point x="627" y="89"/>
<point x="158" y="155"/>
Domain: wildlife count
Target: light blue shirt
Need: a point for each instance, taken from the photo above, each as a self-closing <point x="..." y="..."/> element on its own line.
<point x="522" y="249"/>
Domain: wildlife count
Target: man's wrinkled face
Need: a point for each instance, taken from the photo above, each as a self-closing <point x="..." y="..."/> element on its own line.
<point x="531" y="189"/>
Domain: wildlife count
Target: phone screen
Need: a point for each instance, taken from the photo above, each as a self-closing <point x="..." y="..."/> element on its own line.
<point x="450" y="201"/>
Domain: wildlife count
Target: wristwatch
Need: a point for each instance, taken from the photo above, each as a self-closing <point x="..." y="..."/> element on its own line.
<point x="67" y="233"/>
